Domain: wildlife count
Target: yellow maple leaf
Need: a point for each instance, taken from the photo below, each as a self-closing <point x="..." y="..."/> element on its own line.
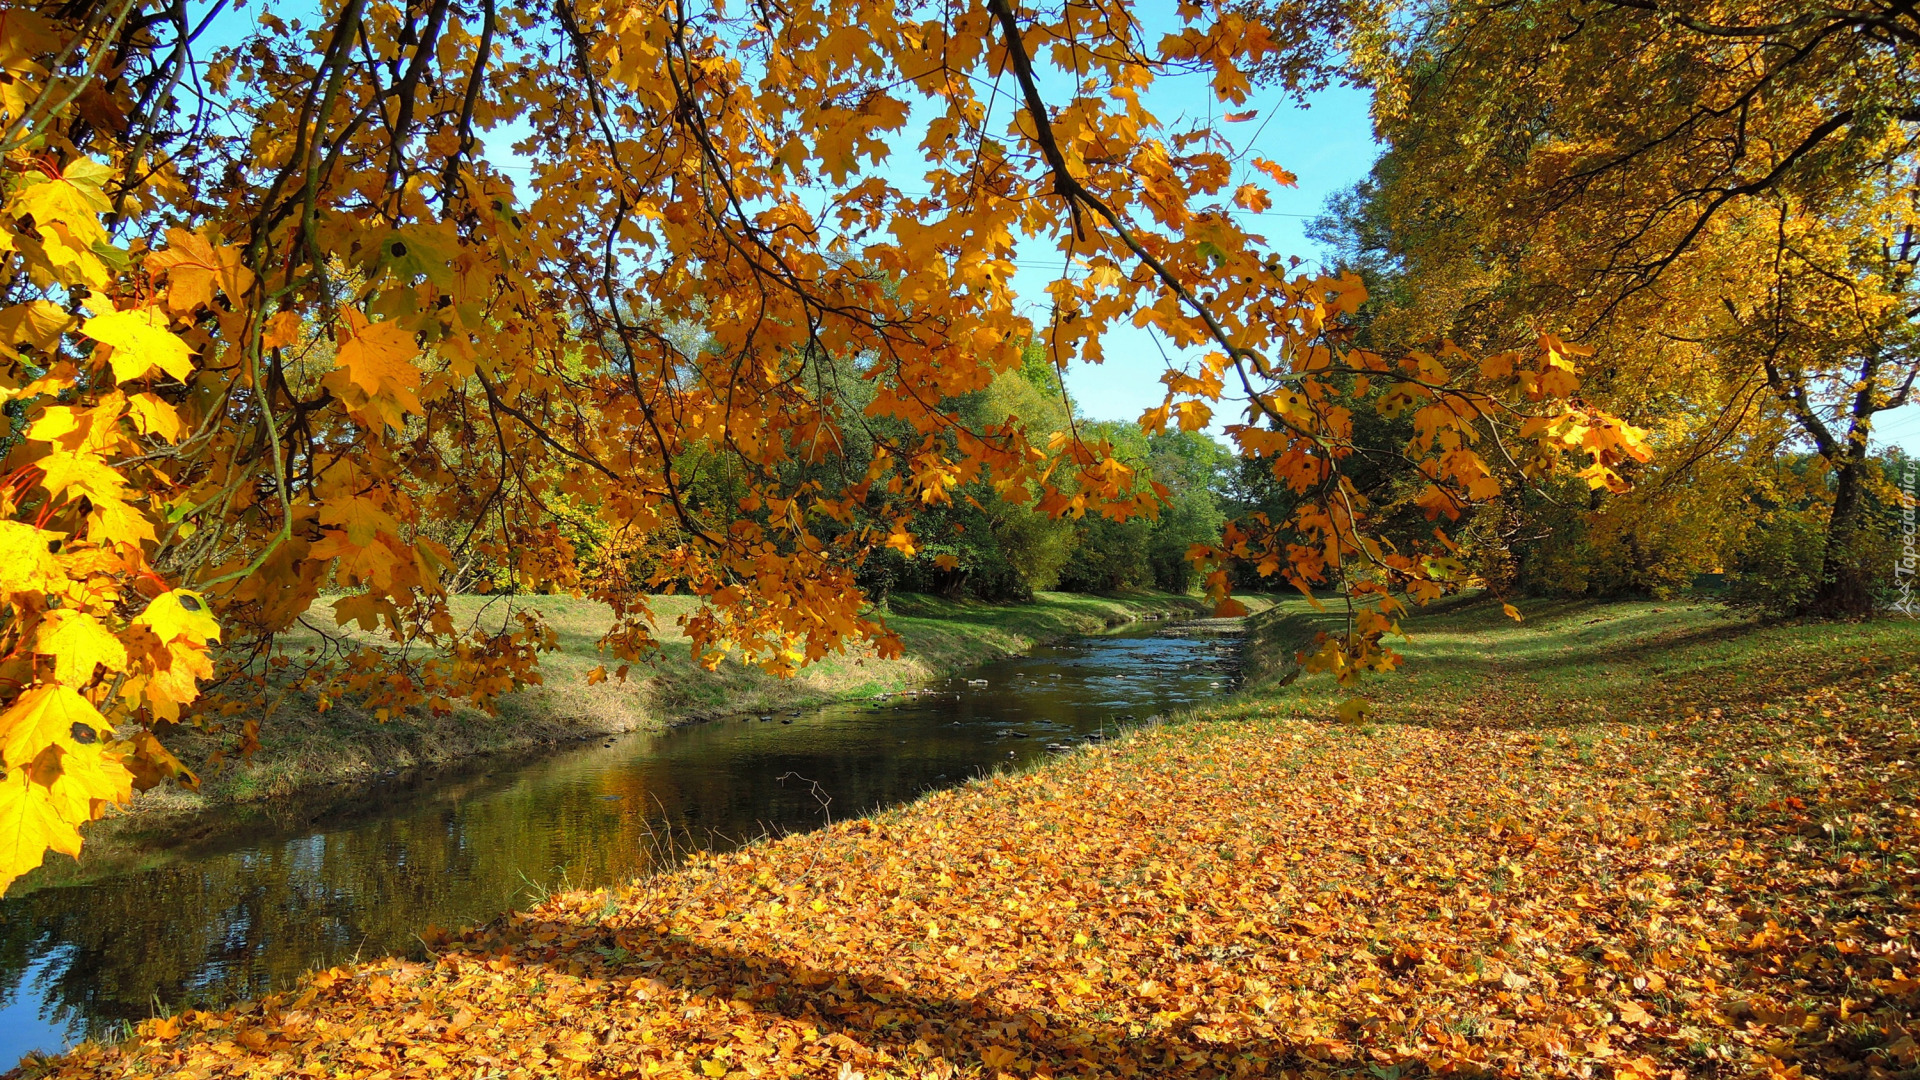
<point x="24" y="36"/>
<point x="74" y="200"/>
<point x="29" y="826"/>
<point x="1274" y="172"/>
<point x="378" y="358"/>
<point x="166" y="690"/>
<point x="50" y="715"/>
<point x="1640" y="1068"/>
<point x="148" y="763"/>
<point x="27" y="564"/>
<point x="1599" y="476"/>
<point x="1194" y="415"/>
<point x="86" y="471"/>
<point x="153" y="416"/>
<point x="56" y="422"/>
<point x="70" y="260"/>
<point x="195" y="267"/>
<point x="81" y="783"/>
<point x="365" y="609"/>
<point x="77" y="642"/>
<point x="282" y="330"/>
<point x="365" y="519"/>
<point x="180" y="613"/>
<point x="902" y="541"/>
<point x="117" y="522"/>
<point x="37" y="323"/>
<point x="73" y="428"/>
<point x="141" y="342"/>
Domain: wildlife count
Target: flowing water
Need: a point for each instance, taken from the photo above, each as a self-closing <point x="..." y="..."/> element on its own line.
<point x="234" y="918"/>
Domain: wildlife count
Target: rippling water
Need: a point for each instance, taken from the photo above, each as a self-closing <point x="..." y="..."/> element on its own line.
<point x="237" y="917"/>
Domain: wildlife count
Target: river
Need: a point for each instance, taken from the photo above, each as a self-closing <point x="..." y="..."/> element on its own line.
<point x="209" y="923"/>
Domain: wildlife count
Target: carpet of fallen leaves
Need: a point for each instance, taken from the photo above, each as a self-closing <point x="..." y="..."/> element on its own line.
<point x="1694" y="891"/>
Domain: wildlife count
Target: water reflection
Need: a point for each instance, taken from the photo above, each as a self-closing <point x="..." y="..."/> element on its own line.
<point x="236" y="918"/>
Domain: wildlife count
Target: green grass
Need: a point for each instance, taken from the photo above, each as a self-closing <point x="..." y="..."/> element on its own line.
<point x="302" y="748"/>
<point x="1574" y="664"/>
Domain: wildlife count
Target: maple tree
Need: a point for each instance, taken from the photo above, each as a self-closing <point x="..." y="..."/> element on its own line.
<point x="1718" y="198"/>
<point x="351" y="308"/>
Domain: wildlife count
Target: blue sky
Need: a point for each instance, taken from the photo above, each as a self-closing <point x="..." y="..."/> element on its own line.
<point x="1327" y="144"/>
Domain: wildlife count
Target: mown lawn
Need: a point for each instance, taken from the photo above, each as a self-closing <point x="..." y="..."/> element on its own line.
<point x="1630" y="840"/>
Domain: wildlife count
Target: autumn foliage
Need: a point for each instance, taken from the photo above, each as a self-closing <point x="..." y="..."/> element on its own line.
<point x="1719" y="199"/>
<point x="349" y="306"/>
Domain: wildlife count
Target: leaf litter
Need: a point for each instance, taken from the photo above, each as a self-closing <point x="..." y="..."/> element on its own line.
<point x="1702" y="879"/>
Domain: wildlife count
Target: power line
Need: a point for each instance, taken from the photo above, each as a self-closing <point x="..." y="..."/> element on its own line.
<point x="1240" y="211"/>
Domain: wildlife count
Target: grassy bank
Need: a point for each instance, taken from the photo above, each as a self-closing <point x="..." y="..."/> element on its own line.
<point x="1571" y="663"/>
<point x="1632" y="841"/>
<point x="301" y="748"/>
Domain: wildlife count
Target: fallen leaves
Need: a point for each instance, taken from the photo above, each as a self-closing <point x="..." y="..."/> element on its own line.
<point x="1471" y="893"/>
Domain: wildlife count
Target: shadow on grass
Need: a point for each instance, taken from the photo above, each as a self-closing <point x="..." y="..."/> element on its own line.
<point x="1577" y="661"/>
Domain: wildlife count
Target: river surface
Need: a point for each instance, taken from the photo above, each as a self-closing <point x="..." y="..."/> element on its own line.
<point x="238" y="917"/>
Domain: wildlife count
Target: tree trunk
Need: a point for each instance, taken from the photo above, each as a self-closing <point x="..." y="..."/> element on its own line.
<point x="1844" y="591"/>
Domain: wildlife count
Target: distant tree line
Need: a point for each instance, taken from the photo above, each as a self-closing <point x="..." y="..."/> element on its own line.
<point x="982" y="542"/>
<point x="996" y="545"/>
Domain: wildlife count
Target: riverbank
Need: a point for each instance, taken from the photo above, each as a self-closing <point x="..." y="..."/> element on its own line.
<point x="302" y="749"/>
<point x="1630" y="840"/>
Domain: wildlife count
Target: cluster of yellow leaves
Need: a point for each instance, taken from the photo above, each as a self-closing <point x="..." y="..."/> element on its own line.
<point x="93" y="633"/>
<point x="1469" y="892"/>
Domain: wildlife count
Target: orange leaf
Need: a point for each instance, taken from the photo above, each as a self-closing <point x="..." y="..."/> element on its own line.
<point x="378" y="358"/>
<point x="1275" y="172"/>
